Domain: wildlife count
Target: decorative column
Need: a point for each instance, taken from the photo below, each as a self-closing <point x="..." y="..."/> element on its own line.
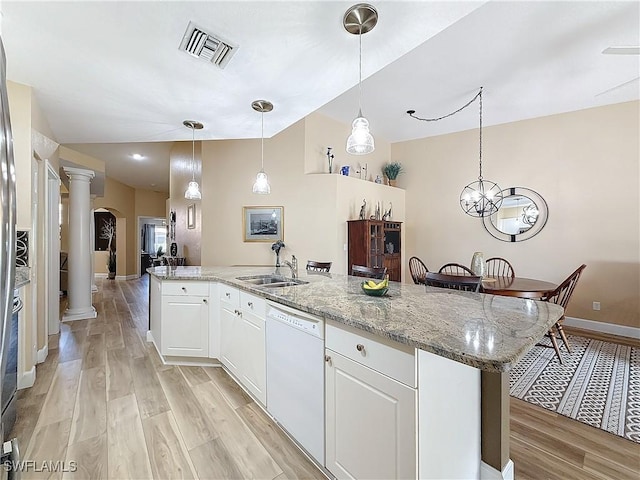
<point x="92" y="247"/>
<point x="79" y="282"/>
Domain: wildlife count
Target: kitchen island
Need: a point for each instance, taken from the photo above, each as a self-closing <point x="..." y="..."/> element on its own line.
<point x="463" y="345"/>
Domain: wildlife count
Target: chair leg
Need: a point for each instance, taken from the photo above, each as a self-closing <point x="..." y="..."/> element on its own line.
<point x="564" y="337"/>
<point x="552" y="336"/>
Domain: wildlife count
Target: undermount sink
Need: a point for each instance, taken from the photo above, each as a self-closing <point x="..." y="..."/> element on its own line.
<point x="271" y="281"/>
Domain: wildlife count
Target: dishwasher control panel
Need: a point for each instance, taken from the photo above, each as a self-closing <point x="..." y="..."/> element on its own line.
<point x="309" y="325"/>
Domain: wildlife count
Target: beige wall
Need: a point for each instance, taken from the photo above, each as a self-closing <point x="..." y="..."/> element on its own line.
<point x="127" y="204"/>
<point x="316" y="206"/>
<point x="20" y="111"/>
<point x="586" y="166"/>
<point x="188" y="239"/>
<point x="322" y="132"/>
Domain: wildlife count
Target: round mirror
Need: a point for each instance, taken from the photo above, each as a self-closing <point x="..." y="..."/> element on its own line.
<point x="522" y="215"/>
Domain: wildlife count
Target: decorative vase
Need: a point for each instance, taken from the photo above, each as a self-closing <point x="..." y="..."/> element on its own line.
<point x="174" y="249"/>
<point x="478" y="267"/>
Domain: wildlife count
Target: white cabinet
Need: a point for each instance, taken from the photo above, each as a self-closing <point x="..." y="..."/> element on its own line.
<point x="370" y="416"/>
<point x="179" y="313"/>
<point x="242" y="344"/>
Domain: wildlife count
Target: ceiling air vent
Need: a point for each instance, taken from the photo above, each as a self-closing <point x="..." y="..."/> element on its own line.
<point x="211" y="48"/>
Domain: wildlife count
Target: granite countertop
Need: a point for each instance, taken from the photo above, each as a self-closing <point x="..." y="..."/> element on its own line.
<point x="22" y="276"/>
<point x="485" y="331"/>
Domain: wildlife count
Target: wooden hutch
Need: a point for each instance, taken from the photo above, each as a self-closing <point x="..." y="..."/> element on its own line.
<point x="376" y="243"/>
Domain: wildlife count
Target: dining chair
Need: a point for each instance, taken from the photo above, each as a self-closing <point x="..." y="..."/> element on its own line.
<point x="370" y="272"/>
<point x="456" y="269"/>
<point x="314" y="266"/>
<point x="418" y="270"/>
<point x="466" y="283"/>
<point x="561" y="296"/>
<point x="499" y="267"/>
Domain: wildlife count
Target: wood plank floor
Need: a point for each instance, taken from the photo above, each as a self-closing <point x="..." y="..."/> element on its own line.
<point x="104" y="400"/>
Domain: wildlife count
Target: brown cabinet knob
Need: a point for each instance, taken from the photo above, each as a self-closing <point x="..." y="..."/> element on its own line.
<point x="360" y="347"/>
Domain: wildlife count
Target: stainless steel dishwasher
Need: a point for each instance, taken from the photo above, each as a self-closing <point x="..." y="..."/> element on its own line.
<point x="295" y="375"/>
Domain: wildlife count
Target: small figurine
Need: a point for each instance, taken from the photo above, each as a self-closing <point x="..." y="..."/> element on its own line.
<point x="362" y="209"/>
<point x="378" y="179"/>
<point x="330" y="157"/>
<point x="387" y="214"/>
<point x="378" y="211"/>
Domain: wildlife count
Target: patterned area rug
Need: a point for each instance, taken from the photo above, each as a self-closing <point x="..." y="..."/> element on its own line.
<point x="598" y="384"/>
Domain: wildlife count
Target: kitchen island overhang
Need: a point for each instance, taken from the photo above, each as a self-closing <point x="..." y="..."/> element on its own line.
<point x="484" y="335"/>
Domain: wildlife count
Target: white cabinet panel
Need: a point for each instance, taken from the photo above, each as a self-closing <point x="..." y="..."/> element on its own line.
<point x="254" y="368"/>
<point x="185" y="329"/>
<point x="370" y="422"/>
<point x="230" y="339"/>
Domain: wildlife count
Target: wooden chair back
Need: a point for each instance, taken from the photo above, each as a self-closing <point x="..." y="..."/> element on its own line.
<point x="499" y="267"/>
<point x="418" y="270"/>
<point x="314" y="266"/>
<point x="456" y="269"/>
<point x="465" y="283"/>
<point x="370" y="272"/>
<point x="562" y="294"/>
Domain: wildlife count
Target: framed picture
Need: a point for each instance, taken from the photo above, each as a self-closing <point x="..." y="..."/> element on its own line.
<point x="191" y="216"/>
<point x="263" y="224"/>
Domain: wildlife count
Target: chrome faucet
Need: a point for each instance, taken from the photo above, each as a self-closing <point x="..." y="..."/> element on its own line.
<point x="293" y="265"/>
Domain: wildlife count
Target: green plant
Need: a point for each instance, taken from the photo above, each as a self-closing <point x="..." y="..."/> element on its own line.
<point x="392" y="170"/>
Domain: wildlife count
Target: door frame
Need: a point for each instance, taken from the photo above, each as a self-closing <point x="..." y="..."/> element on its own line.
<point x="52" y="250"/>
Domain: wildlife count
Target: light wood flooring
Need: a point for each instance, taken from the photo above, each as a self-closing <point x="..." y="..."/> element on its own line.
<point x="104" y="400"/>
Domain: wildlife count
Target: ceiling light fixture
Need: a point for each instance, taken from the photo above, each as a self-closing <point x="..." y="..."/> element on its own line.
<point x="261" y="185"/>
<point x="358" y="20"/>
<point x="193" y="191"/>
<point x="137" y="156"/>
<point x="483" y="197"/>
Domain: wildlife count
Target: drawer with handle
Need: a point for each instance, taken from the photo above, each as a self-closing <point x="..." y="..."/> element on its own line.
<point x="393" y="359"/>
<point x="200" y="289"/>
<point x="253" y="304"/>
<point x="229" y="294"/>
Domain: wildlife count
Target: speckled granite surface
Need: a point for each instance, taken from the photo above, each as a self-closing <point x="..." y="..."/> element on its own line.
<point x="485" y="331"/>
<point x="22" y="276"/>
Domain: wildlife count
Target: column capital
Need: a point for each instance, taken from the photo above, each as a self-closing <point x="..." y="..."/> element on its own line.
<point x="79" y="173"/>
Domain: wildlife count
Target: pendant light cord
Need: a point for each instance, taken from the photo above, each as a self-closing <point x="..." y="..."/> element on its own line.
<point x="360" y="73"/>
<point x="262" y="140"/>
<point x="478" y="95"/>
<point x="193" y="154"/>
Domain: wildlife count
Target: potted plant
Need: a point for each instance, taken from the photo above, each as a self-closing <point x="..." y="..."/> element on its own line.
<point x="391" y="171"/>
<point x="108" y="232"/>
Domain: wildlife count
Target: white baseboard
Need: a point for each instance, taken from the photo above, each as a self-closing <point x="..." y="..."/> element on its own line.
<point x="487" y="472"/>
<point x="100" y="275"/>
<point x="27" y="379"/>
<point x="150" y="337"/>
<point x="42" y="354"/>
<point x="127" y="277"/>
<point x="611" y="328"/>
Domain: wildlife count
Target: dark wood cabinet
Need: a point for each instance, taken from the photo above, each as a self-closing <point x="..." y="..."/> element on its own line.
<point x="376" y="243"/>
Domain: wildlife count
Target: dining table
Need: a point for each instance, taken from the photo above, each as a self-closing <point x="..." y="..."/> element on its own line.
<point x="517" y="287"/>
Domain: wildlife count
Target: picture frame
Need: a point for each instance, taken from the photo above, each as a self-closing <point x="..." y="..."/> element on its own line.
<point x="191" y="216"/>
<point x="262" y="224"/>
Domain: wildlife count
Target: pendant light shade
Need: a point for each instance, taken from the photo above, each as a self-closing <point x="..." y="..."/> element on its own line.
<point x="481" y="198"/>
<point x="358" y="20"/>
<point x="261" y="185"/>
<point x="193" y="190"/>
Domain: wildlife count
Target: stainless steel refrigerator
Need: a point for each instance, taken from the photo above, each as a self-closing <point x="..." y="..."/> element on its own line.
<point x="8" y="452"/>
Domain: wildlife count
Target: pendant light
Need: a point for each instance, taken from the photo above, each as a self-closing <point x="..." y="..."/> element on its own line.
<point x="193" y="191"/>
<point x="358" y="20"/>
<point x="483" y="197"/>
<point x="261" y="185"/>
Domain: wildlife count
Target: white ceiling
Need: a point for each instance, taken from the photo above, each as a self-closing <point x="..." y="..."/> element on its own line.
<point x="109" y="74"/>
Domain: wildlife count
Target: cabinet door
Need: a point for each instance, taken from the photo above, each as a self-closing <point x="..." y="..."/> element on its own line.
<point x="370" y="422"/>
<point x="230" y="339"/>
<point x="185" y="329"/>
<point x="376" y="245"/>
<point x="392" y="262"/>
<point x="254" y="367"/>
<point x="155" y="310"/>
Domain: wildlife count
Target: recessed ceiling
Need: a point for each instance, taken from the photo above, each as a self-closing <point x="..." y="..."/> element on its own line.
<point x="108" y="74"/>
